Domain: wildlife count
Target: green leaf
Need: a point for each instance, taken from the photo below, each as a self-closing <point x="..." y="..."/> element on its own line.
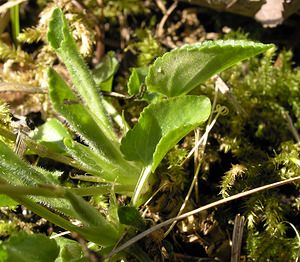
<point x="161" y="125"/>
<point x="27" y="248"/>
<point x="70" y="250"/>
<point x="13" y="170"/>
<point x="95" y="227"/>
<point x="181" y="70"/>
<point x="105" y="70"/>
<point x="52" y="134"/>
<point x="6" y="201"/>
<point x="87" y="213"/>
<point x="61" y="40"/>
<point x="136" y="82"/>
<point x="79" y="117"/>
<point x="132" y="217"/>
<point x="94" y="164"/>
<point x="136" y="79"/>
<point x="106" y="153"/>
<point x="3" y="254"/>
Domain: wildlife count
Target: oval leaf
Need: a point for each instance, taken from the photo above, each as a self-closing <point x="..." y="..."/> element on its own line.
<point x="161" y="125"/>
<point x="181" y="70"/>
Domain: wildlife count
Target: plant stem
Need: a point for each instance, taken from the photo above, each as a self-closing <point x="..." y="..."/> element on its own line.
<point x="15" y="23"/>
<point x="140" y="185"/>
<point x="58" y="192"/>
<point x="17" y="191"/>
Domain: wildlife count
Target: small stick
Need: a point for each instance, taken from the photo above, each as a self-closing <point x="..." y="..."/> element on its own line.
<point x="160" y="27"/>
<point x="161" y="6"/>
<point x="200" y="209"/>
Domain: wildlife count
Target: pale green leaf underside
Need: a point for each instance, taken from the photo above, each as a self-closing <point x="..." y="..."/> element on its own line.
<point x="161" y="126"/>
<point x="52" y="134"/>
<point x="181" y="70"/>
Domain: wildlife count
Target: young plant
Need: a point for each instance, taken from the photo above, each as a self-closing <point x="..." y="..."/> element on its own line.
<point x="123" y="165"/>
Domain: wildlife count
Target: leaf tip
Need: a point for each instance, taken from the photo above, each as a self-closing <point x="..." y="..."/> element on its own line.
<point x="55" y="34"/>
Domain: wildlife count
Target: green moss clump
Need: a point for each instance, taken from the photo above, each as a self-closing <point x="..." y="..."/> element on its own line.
<point x="258" y="143"/>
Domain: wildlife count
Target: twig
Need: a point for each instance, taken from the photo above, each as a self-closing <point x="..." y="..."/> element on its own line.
<point x="161" y="6"/>
<point x="160" y="27"/>
<point x="197" y="163"/>
<point x="198" y="210"/>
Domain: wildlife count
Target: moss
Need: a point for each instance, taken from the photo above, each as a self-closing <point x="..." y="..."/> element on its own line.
<point x="260" y="141"/>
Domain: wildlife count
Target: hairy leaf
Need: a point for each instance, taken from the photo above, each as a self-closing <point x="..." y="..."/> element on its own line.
<point x="97" y="165"/>
<point x="109" y="156"/>
<point x="161" y="125"/>
<point x="8" y="202"/>
<point x="184" y="68"/>
<point x="61" y="40"/>
<point x="79" y="117"/>
<point x="13" y="170"/>
<point x="95" y="225"/>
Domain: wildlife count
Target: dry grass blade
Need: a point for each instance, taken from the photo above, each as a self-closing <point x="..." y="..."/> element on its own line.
<point x="16" y="87"/>
<point x="237" y="238"/>
<point x="200" y="209"/>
